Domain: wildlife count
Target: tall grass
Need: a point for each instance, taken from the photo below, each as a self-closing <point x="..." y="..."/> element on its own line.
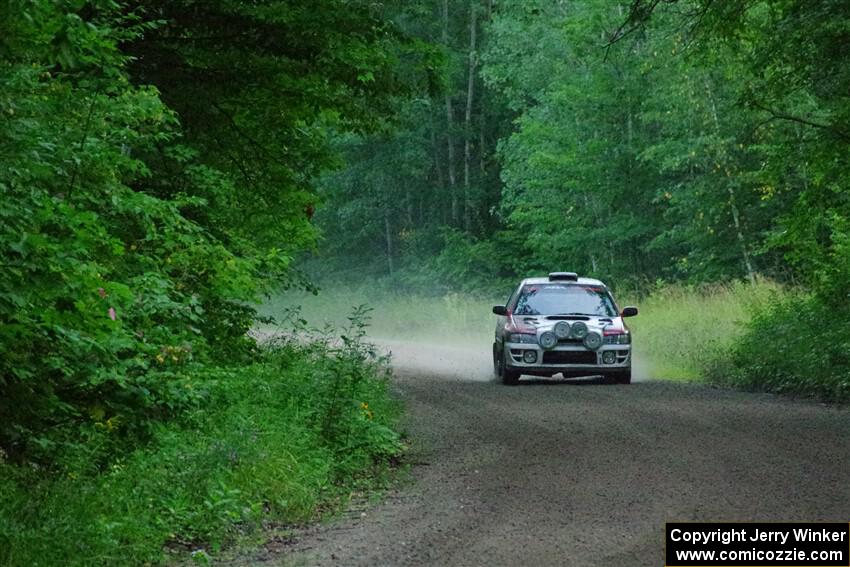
<point x="681" y="331"/>
<point x="757" y="337"/>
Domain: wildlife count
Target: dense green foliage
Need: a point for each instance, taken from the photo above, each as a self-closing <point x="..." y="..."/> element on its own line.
<point x="300" y="427"/>
<point x="694" y="146"/>
<point x="797" y="345"/>
<point x="158" y="162"/>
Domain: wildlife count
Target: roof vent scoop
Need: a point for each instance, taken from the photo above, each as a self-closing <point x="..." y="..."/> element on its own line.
<point x="563" y="277"/>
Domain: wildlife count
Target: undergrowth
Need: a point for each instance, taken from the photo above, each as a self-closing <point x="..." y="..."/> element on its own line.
<point x="275" y="441"/>
<point x="762" y="337"/>
<point x="797" y="344"/>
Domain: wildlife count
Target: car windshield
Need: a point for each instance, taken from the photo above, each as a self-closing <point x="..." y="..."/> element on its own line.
<point x="565" y="299"/>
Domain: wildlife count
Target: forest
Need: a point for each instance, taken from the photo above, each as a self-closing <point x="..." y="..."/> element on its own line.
<point x="682" y="141"/>
<point x="672" y="149"/>
<point x="166" y="167"/>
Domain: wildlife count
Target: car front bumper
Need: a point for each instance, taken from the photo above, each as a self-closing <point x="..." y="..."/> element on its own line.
<point x="575" y="360"/>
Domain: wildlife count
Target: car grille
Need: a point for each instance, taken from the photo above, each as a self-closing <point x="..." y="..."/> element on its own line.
<point x="569" y="357"/>
<point x="569" y="341"/>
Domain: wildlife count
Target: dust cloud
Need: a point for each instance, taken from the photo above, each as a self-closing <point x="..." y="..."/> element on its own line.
<point x="641" y="367"/>
<point x="449" y="336"/>
<point x="451" y="361"/>
<point x="460" y="362"/>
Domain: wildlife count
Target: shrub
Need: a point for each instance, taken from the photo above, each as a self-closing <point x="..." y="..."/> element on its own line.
<point x="797" y="344"/>
<point x="277" y="440"/>
<point x="110" y="295"/>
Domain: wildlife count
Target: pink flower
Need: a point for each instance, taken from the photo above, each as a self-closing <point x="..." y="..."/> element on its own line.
<point x="112" y="313"/>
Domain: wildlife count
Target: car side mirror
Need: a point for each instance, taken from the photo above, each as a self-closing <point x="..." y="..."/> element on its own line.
<point x="629" y="312"/>
<point x="500" y="310"/>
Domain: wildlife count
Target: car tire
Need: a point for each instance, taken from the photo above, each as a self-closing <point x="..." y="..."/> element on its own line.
<point x="623" y="377"/>
<point x="509" y="377"/>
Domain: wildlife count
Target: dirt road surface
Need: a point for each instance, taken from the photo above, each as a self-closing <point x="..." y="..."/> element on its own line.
<point x="580" y="473"/>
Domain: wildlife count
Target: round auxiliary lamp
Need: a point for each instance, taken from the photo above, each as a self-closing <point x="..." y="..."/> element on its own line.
<point x="562" y="329"/>
<point x="547" y="340"/>
<point x="592" y="340"/>
<point x="579" y="330"/>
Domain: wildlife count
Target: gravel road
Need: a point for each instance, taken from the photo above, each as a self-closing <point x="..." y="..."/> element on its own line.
<point x="580" y="473"/>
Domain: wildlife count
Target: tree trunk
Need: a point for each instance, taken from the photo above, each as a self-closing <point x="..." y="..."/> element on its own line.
<point x="736" y="216"/>
<point x="467" y="122"/>
<point x="441" y="181"/>
<point x="450" y="166"/>
<point x="482" y="167"/>
<point x="388" y="235"/>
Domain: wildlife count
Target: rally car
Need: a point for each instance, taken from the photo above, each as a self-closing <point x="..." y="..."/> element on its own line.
<point x="562" y="324"/>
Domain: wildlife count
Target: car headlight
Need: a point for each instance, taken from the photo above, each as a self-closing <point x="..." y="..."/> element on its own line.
<point x="609" y="357"/>
<point x="562" y="329"/>
<point x="529" y="357"/>
<point x="547" y="339"/>
<point x="593" y="340"/>
<point x="521" y="338"/>
<point x="579" y="330"/>
<point x="618" y="339"/>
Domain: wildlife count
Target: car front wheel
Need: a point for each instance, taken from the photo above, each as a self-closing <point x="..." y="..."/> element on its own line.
<point x="621" y="377"/>
<point x="510" y="377"/>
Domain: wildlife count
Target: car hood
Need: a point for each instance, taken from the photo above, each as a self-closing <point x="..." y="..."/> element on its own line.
<point x="541" y="323"/>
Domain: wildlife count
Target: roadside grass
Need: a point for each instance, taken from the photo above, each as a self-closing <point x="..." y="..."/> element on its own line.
<point x="680" y="333"/>
<point x="281" y="441"/>
<point x="762" y="337"/>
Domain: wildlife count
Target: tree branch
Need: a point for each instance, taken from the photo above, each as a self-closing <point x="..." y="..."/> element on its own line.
<point x="239" y="131"/>
<point x="83" y="143"/>
<point x="639" y="13"/>
<point x="776" y="114"/>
